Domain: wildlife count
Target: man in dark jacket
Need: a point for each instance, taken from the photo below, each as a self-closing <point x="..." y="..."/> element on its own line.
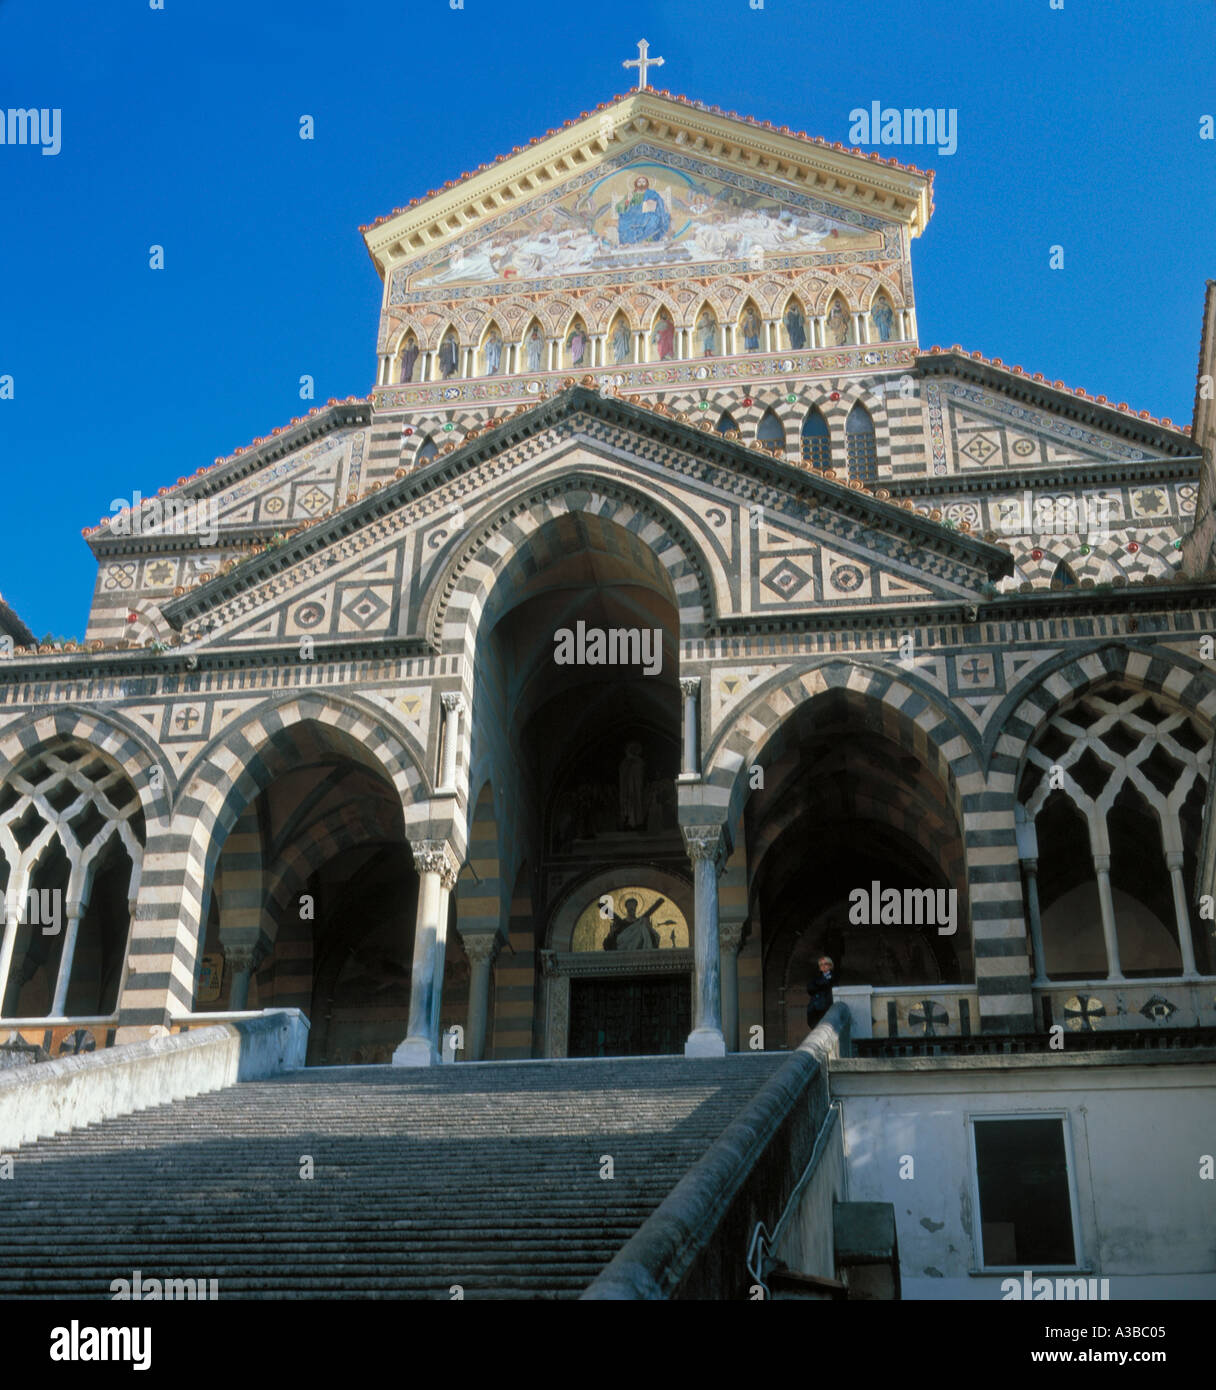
<point x="819" y="990"/>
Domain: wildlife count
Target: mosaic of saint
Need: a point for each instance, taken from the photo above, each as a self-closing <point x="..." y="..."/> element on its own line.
<point x="630" y="919"/>
<point x="646" y="214"/>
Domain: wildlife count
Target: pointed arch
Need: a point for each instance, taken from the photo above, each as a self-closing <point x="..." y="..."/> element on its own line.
<point x="619" y="350"/>
<point x="816" y="440"/>
<point x="707" y="332"/>
<point x="883" y="321"/>
<point x="491" y="351"/>
<point x="795" y="325"/>
<point x="534" y="347"/>
<point x="427" y="450"/>
<point x="750" y="327"/>
<point x="837" y="322"/>
<point x="770" y="429"/>
<point x="1062" y="576"/>
<point x="662" y="335"/>
<point x="861" y="446"/>
<point x="576" y="345"/>
<point x="726" y="423"/>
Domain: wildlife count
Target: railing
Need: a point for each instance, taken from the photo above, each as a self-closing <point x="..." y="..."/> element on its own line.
<point x="694" y="1245"/>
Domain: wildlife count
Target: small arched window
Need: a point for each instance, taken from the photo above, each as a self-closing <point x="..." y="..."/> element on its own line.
<point x="726" y="423"/>
<point x="428" y="451"/>
<point x="816" y="441"/>
<point x="1063" y="577"/>
<point x="861" y="446"/>
<point x="770" y="430"/>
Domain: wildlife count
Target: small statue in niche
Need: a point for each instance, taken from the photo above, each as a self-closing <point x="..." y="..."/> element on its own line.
<point x="409" y="358"/>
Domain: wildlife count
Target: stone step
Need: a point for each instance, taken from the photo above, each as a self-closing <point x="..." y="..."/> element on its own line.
<point x="483" y="1176"/>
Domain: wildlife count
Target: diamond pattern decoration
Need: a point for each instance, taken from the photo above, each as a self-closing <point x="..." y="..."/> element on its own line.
<point x="1157" y="1009"/>
<point x="980" y="448"/>
<point x="787" y="579"/>
<point x="364" y="609"/>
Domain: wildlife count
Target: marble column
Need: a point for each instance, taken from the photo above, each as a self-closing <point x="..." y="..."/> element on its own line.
<point x="690" y="688"/>
<point x="75" y="911"/>
<point x="706" y="849"/>
<point x="453" y="705"/>
<point x="239" y="959"/>
<point x="437" y="869"/>
<point x="1030" y="868"/>
<point x="1173" y="862"/>
<point x="730" y="936"/>
<point x="481" y="948"/>
<point x="1114" y="970"/>
<point x="14" y="903"/>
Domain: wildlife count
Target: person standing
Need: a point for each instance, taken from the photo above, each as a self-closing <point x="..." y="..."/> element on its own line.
<point x="819" y="991"/>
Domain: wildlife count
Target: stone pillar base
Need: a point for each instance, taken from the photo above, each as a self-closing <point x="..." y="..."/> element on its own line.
<point x="705" y="1042"/>
<point x="415" y="1052"/>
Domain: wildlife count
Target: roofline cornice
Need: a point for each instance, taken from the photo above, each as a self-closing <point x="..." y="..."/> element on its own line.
<point x="853" y="179"/>
<point x="1058" y="400"/>
<point x="478" y="446"/>
<point x="225" y="472"/>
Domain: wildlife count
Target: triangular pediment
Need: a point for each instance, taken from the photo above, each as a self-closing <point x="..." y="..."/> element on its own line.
<point x="370" y="571"/>
<point x="717" y="187"/>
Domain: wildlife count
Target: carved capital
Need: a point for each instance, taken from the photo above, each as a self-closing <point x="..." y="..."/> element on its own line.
<point x="239" y="958"/>
<point x="453" y="701"/>
<point x="704" y="842"/>
<point x="480" y="947"/>
<point x="548" y="963"/>
<point x="436" y="857"/>
<point x="690" y="686"/>
<point x="730" y="935"/>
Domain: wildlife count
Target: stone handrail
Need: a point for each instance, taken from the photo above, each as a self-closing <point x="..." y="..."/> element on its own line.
<point x="70" y="1092"/>
<point x="694" y="1245"/>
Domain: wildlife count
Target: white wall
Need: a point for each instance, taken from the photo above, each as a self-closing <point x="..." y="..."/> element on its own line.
<point x="1138" y="1131"/>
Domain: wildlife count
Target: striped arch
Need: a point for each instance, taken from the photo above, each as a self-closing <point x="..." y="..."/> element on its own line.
<point x="461" y="591"/>
<point x="881" y="281"/>
<point x="112" y="735"/>
<point x="406" y="324"/>
<point x="1026" y="711"/>
<point x="230" y="772"/>
<point x="913" y="717"/>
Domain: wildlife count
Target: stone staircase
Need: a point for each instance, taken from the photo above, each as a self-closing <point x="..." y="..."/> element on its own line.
<point x="482" y="1177"/>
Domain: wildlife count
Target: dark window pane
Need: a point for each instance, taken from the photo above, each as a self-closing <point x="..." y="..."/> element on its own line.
<point x="1025" y="1215"/>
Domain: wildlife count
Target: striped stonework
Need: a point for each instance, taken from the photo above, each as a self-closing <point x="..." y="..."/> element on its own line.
<point x="180" y="859"/>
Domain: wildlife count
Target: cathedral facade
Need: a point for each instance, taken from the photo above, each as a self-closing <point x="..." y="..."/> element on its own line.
<point x="665" y="618"/>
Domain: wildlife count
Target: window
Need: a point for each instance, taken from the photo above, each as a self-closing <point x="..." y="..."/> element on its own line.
<point x="428" y="451"/>
<point x="816" y="441"/>
<point x="770" y="430"/>
<point x="726" y="423"/>
<point x="862" y="450"/>
<point x="1024" y="1192"/>
<point x="1063" y="577"/>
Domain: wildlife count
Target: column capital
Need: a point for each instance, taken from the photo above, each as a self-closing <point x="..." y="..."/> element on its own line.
<point x="730" y="936"/>
<point x="480" y="947"/>
<point x="453" y="700"/>
<point x="690" y="686"/>
<point x="436" y="857"/>
<point x="239" y="958"/>
<point x="704" y="842"/>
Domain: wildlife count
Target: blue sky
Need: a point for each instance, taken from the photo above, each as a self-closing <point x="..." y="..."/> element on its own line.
<point x="1077" y="127"/>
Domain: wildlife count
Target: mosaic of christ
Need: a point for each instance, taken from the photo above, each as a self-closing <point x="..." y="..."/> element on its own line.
<point x="646" y="214"/>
